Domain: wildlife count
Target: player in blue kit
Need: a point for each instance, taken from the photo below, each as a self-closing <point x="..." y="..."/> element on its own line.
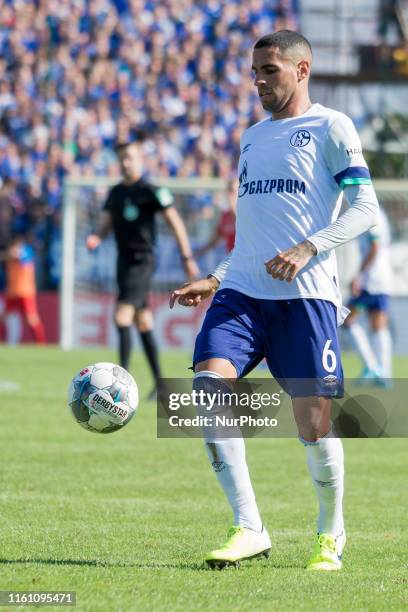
<point x="277" y="293"/>
<point x="370" y="291"/>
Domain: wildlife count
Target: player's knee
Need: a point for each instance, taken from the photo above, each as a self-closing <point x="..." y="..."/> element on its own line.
<point x="209" y="389"/>
<point x="144" y="320"/>
<point x="312" y="432"/>
<point x="122" y="320"/>
<point x="312" y="416"/>
<point x="123" y="316"/>
<point x="378" y="320"/>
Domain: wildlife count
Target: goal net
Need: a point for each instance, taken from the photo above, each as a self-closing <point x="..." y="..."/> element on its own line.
<point x="88" y="279"/>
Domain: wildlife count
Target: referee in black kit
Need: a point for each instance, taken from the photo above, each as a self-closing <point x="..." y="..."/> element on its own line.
<point x="130" y="210"/>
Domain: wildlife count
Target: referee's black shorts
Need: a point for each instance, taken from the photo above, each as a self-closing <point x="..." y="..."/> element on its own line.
<point x="134" y="274"/>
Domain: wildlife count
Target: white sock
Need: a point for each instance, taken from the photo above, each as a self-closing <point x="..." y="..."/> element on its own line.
<point x="363" y="346"/>
<point x="382" y="345"/>
<point x="227" y="458"/>
<point x="325" y="460"/>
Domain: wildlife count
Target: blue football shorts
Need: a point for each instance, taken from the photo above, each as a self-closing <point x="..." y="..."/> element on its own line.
<point x="297" y="337"/>
<point x="370" y="301"/>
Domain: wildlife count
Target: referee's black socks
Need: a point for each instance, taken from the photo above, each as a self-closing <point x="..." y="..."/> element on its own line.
<point x="125" y="346"/>
<point x="150" y="348"/>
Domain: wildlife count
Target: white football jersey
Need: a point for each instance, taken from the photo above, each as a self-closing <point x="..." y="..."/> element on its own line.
<point x="377" y="278"/>
<point x="291" y="175"/>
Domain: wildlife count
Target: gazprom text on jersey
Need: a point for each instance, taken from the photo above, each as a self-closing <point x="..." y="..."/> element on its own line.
<point x="271" y="185"/>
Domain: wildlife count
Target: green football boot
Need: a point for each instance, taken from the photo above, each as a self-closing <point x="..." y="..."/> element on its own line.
<point x="327" y="553"/>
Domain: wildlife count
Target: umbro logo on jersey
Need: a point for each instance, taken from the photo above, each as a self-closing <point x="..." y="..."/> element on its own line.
<point x="301" y="138"/>
<point x="245" y="148"/>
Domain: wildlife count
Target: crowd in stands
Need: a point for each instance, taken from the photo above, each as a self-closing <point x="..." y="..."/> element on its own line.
<point x="76" y="76"/>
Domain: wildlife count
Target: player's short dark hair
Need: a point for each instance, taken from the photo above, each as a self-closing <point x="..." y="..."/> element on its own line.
<point x="283" y="40"/>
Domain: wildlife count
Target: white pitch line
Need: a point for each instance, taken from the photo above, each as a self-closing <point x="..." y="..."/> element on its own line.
<point x="9" y="385"/>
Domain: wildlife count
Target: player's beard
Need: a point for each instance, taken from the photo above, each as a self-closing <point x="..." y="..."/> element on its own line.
<point x="274" y="104"/>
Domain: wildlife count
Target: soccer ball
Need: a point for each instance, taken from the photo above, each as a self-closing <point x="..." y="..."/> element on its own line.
<point x="103" y="397"/>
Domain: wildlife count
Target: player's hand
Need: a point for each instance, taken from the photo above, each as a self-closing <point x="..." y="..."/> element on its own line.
<point x="287" y="264"/>
<point x="191" y="269"/>
<point x="92" y="242"/>
<point x="192" y="294"/>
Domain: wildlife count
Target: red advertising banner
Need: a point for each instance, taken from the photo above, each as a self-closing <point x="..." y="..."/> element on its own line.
<point x="18" y="331"/>
<point x="93" y="321"/>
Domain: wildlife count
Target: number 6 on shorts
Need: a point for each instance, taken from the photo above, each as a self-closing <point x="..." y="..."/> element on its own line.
<point x="329" y="360"/>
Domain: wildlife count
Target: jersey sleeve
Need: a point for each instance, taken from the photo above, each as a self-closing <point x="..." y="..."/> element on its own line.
<point x="343" y="154"/>
<point x="380" y="232"/>
<point x="221" y="270"/>
<point x="108" y="205"/>
<point x="164" y="197"/>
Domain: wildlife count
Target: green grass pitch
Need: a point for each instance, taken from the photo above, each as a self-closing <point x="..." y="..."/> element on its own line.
<point x="125" y="519"/>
